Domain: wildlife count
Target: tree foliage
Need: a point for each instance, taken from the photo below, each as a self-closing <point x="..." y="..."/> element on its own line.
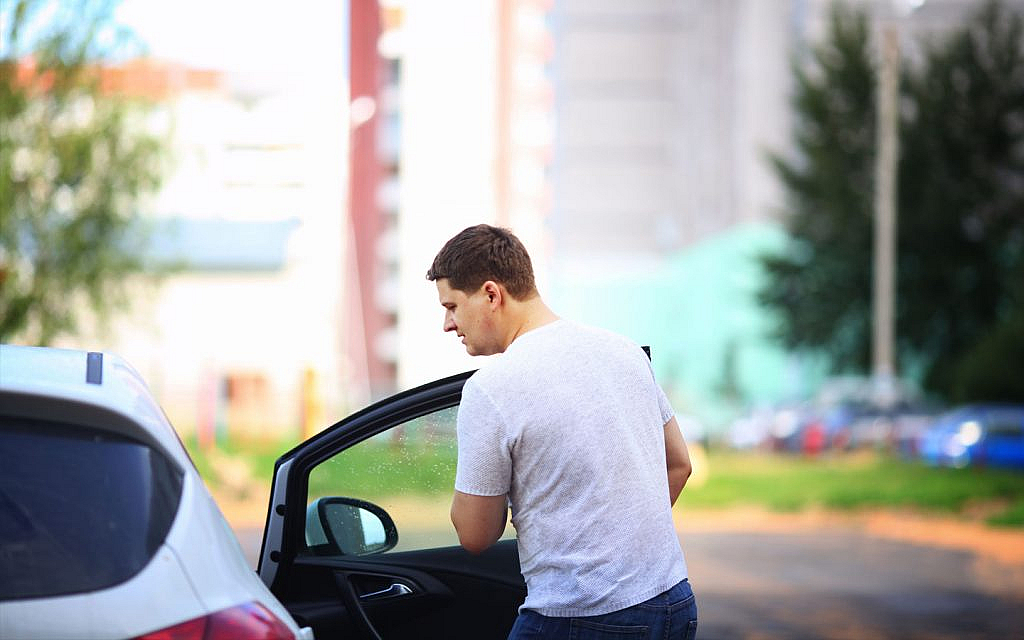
<point x="818" y="286"/>
<point x="75" y="162"/>
<point x="961" y="267"/>
<point x="960" y="272"/>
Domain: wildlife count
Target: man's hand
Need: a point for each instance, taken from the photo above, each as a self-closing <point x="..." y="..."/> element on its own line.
<point x="479" y="520"/>
<point x="677" y="459"/>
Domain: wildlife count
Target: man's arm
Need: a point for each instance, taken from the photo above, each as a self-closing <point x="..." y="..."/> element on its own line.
<point x="677" y="458"/>
<point x="479" y="520"/>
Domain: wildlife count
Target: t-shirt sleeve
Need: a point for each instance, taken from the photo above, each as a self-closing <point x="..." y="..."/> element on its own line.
<point x="667" y="413"/>
<point x="485" y="460"/>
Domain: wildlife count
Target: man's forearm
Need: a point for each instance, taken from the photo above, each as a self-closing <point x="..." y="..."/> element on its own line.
<point x="677" y="478"/>
<point x="677" y="460"/>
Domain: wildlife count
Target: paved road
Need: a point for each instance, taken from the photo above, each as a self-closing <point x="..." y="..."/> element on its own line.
<point x="840" y="584"/>
<point x="837" y="583"/>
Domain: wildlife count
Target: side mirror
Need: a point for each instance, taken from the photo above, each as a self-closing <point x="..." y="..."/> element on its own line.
<point x="350" y="527"/>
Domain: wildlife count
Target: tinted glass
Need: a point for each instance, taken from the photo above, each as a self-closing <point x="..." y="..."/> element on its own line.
<point x="80" y="509"/>
<point x="1005" y="423"/>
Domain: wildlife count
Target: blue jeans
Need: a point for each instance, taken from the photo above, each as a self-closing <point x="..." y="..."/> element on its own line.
<point x="670" y="616"/>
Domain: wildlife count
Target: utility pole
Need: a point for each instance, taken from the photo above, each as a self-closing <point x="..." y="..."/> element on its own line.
<point x="884" y="303"/>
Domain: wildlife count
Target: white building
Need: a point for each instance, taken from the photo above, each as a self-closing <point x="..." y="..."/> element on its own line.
<point x="253" y="212"/>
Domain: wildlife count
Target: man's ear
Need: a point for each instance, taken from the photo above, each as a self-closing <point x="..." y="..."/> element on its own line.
<point x="494" y="293"/>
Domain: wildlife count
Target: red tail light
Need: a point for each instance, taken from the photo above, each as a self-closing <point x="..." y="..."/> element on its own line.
<point x="245" y="622"/>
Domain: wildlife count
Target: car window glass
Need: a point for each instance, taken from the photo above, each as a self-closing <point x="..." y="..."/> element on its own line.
<point x="80" y="509"/>
<point x="1005" y="423"/>
<point x="408" y="470"/>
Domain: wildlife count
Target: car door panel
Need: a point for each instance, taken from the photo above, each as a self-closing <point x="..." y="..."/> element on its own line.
<point x="322" y="593"/>
<point x="450" y="593"/>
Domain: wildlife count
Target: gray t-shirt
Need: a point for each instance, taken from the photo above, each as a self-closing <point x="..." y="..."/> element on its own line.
<point x="569" y="422"/>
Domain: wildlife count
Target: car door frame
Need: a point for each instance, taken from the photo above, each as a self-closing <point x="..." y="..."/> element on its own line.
<point x="285" y="525"/>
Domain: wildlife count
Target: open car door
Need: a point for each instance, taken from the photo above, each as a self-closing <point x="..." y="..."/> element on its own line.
<point x="358" y="541"/>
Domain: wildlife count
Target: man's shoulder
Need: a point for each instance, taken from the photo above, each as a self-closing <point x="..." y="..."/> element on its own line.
<point x="488" y="374"/>
<point x="552" y="351"/>
<point x="606" y="334"/>
<point x="599" y="338"/>
<point x="575" y="332"/>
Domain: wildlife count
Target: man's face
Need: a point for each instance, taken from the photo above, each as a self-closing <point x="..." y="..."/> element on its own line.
<point x="471" y="317"/>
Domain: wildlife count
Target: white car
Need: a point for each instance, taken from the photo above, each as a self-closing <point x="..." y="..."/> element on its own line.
<point x="106" y="529"/>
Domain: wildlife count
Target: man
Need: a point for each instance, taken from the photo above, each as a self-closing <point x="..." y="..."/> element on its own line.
<point x="570" y="429"/>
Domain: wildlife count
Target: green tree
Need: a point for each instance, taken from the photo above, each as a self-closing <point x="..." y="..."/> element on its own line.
<point x="991" y="370"/>
<point x="75" y="161"/>
<point x="820" y="286"/>
<point x="961" y="214"/>
<point x="961" y="267"/>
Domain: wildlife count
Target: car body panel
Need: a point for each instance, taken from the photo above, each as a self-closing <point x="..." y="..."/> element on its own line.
<point x="123" y="611"/>
<point x="1002" y="441"/>
<point x="983" y="434"/>
<point x="222" y="581"/>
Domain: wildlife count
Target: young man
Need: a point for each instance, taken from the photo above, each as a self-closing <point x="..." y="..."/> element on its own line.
<point x="570" y="429"/>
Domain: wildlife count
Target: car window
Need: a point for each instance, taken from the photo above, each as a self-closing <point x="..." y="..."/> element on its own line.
<point x="408" y="470"/>
<point x="80" y="509"/>
<point x="1006" y="423"/>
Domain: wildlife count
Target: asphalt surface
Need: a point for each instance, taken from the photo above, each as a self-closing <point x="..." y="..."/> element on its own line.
<point x="837" y="583"/>
<point x="840" y="584"/>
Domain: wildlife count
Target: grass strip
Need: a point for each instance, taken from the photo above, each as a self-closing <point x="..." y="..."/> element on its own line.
<point x="777" y="482"/>
<point x="792" y="483"/>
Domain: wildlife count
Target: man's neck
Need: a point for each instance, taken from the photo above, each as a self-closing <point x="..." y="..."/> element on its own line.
<point x="529" y="315"/>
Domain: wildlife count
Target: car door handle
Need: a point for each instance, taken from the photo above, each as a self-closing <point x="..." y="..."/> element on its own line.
<point x="394" y="590"/>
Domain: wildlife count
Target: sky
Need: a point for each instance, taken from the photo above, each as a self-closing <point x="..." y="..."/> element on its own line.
<point x="241" y="35"/>
<point x="227" y="35"/>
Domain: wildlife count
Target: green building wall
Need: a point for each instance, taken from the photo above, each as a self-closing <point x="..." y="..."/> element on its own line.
<point x="710" y="340"/>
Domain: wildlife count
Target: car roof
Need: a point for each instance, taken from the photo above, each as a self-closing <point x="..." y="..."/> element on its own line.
<point x="76" y="387"/>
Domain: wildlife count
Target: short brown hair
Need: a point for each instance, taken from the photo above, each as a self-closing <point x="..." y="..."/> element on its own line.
<point x="481" y="253"/>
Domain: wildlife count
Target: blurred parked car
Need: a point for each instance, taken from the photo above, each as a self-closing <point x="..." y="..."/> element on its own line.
<point x="895" y="429"/>
<point x="846" y="413"/>
<point x="984" y="434"/>
<point x="106" y="529"/>
<point x="786" y="426"/>
<point x="752" y="429"/>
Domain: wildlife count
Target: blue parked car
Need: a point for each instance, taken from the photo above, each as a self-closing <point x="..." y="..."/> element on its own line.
<point x="990" y="434"/>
